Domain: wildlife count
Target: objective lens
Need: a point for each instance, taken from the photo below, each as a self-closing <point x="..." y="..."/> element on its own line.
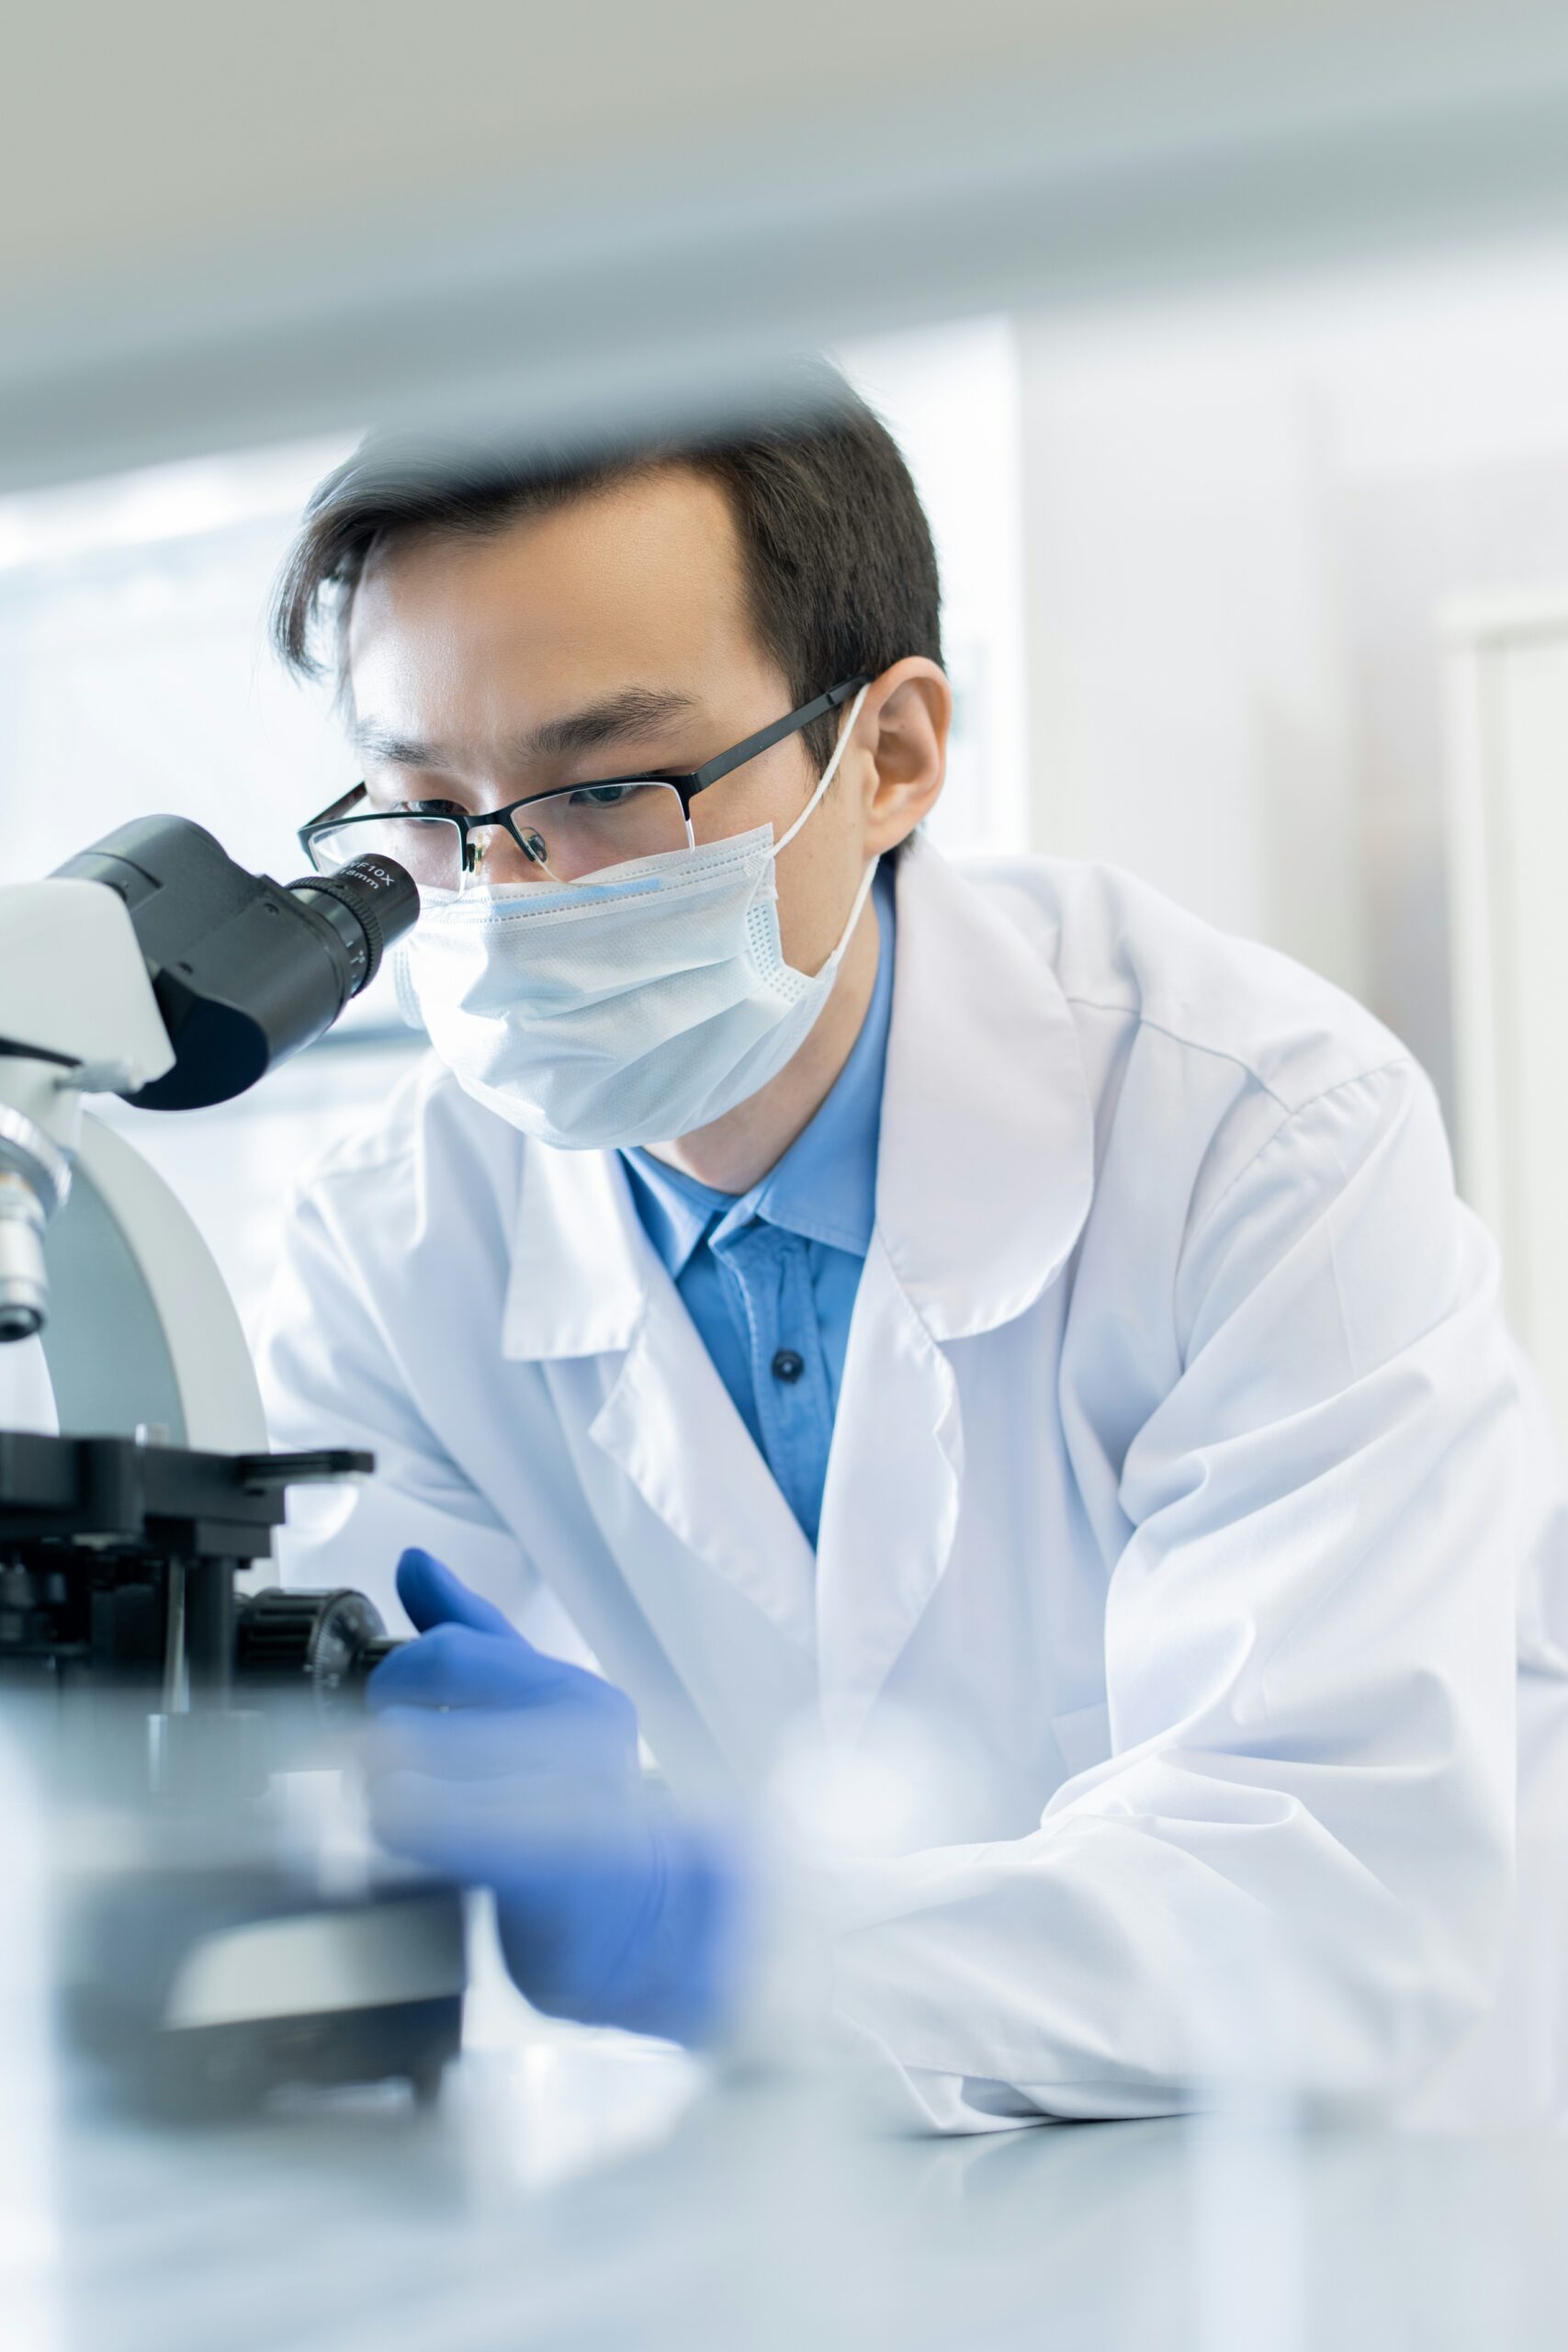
<point x="24" y="1285"/>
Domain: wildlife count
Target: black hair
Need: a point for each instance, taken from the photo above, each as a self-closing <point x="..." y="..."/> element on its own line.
<point x="839" y="566"/>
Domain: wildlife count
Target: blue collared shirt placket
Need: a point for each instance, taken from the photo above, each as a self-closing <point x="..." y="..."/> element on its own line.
<point x="769" y="1278"/>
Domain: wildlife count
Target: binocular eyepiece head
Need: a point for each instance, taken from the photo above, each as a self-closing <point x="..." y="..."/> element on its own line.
<point x="245" y="970"/>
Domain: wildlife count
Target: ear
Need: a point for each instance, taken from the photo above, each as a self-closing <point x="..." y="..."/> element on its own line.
<point x="904" y="724"/>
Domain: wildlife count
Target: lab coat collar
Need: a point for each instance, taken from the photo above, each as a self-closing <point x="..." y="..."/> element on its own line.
<point x="984" y="1181"/>
<point x="580" y="1258"/>
<point x="985" y="1166"/>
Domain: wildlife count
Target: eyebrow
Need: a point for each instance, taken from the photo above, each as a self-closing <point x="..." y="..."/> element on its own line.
<point x="634" y="711"/>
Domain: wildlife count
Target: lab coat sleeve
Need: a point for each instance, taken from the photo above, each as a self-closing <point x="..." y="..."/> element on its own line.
<point x="331" y="1375"/>
<point x="1294" y="1868"/>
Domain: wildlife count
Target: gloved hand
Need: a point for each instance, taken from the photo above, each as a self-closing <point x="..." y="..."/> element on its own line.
<point x="500" y="1766"/>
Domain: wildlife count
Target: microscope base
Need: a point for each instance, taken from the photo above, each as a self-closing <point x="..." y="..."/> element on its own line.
<point x="199" y="1994"/>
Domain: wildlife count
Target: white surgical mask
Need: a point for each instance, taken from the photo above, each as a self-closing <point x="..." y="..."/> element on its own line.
<point x="632" y="1007"/>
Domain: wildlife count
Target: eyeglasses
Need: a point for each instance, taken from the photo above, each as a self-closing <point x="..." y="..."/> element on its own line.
<point x="563" y="836"/>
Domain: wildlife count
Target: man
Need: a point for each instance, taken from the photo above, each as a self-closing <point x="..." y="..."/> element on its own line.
<point x="980" y="1314"/>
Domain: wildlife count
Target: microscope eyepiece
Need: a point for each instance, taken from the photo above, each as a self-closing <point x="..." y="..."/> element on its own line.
<point x="368" y="903"/>
<point x="246" y="972"/>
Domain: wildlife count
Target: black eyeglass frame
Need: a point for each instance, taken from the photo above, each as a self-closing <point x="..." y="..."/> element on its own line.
<point x="686" y="783"/>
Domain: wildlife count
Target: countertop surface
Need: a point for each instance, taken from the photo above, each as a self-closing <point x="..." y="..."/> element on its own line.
<point x="584" y="2191"/>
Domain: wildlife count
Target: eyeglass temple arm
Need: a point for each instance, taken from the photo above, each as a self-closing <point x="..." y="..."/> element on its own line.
<point x="698" y="781"/>
<point x="768" y="736"/>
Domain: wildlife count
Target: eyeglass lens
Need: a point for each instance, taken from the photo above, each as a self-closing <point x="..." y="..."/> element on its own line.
<point x="564" y="837"/>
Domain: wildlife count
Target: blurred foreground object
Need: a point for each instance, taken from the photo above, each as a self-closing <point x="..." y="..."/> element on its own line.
<point x="598" y="215"/>
<point x="154" y="967"/>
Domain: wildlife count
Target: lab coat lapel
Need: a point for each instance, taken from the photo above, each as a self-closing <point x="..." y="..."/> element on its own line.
<point x="890" y="1506"/>
<point x="670" y="1424"/>
<point x="983" y="1178"/>
<point x="586" y="1281"/>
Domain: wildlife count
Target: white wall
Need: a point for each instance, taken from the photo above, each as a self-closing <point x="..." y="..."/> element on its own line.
<point x="1188" y="713"/>
<point x="1508" y="737"/>
<point x="135" y="675"/>
<point x="950" y="396"/>
<point x="1245" y="520"/>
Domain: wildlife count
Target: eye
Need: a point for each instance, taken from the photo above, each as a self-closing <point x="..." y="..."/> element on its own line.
<point x="431" y="808"/>
<point x="603" y="796"/>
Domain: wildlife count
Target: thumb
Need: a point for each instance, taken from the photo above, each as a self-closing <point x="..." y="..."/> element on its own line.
<point x="434" y="1596"/>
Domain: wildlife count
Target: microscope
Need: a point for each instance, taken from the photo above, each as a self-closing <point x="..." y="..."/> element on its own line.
<point x="195" y="1967"/>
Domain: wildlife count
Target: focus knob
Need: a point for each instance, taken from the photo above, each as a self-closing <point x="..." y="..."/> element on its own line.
<point x="322" y="1645"/>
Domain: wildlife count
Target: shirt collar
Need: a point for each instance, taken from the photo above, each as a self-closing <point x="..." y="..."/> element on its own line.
<point x="675" y="1209"/>
<point x="824" y="1188"/>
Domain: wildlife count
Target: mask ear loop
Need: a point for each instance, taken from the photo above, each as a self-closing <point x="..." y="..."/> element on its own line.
<point x="829" y="773"/>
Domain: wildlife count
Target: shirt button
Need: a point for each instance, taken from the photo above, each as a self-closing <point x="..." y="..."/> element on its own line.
<point x="787" y="1365"/>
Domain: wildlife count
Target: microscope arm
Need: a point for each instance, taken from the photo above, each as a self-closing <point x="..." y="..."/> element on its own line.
<point x="142" y="1332"/>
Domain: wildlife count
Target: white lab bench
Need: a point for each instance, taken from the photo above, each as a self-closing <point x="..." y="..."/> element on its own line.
<point x="581" y="2191"/>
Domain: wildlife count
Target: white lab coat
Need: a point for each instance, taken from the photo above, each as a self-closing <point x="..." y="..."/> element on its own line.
<point x="1180" y="1495"/>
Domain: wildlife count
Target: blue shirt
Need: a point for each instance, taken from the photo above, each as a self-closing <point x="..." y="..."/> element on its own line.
<point x="768" y="1277"/>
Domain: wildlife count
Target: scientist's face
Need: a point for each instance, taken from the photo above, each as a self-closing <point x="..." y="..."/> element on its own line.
<point x="611" y="637"/>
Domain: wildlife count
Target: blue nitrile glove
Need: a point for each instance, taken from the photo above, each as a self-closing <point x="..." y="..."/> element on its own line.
<point x="499" y="1766"/>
